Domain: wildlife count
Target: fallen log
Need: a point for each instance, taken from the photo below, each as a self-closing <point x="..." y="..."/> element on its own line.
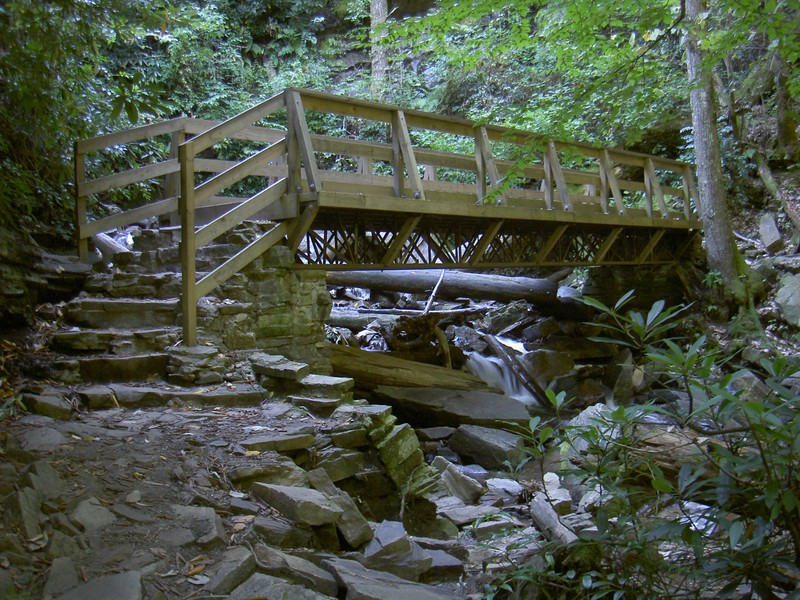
<point x="371" y="369"/>
<point x="454" y="284"/>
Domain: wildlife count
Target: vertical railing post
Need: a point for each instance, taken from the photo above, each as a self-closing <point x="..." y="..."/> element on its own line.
<point x="188" y="247"/>
<point x="297" y="122"/>
<point x="610" y="180"/>
<point x="689" y="191"/>
<point x="293" y="177"/>
<point x="80" y="203"/>
<point x="403" y="152"/>
<point x="486" y="165"/>
<point x="172" y="186"/>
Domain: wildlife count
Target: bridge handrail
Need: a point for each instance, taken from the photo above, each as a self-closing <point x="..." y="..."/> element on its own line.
<point x="290" y="162"/>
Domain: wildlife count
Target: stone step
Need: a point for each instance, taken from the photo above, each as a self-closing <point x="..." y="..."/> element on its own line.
<point x="119" y="342"/>
<point x="96" y="397"/>
<point x="107" y="368"/>
<point x="121" y="313"/>
<point x="325" y="386"/>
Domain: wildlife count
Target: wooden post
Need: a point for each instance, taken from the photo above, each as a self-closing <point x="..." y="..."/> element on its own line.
<point x="188" y="248"/>
<point x="297" y="121"/>
<point x="401" y="140"/>
<point x="607" y="170"/>
<point x="655" y="186"/>
<point x="689" y="192"/>
<point x="292" y="151"/>
<point x="558" y="175"/>
<point x="486" y="159"/>
<point x="80" y="204"/>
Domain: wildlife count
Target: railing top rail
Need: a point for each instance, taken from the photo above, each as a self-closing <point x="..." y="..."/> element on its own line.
<point x="135" y="134"/>
<point x="369" y="109"/>
<point x="241" y="121"/>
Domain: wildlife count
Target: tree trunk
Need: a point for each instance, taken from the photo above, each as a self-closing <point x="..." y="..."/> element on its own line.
<point x="720" y="244"/>
<point x="454" y="284"/>
<point x="788" y="144"/>
<point x="378" y="12"/>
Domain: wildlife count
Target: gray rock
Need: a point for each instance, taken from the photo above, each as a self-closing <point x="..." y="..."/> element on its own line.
<point x="392" y="550"/>
<point x="620" y="376"/>
<point x="41" y="439"/>
<point x="302" y="505"/>
<point x="61" y="545"/>
<point x="232" y="569"/>
<point x="504" y="487"/>
<point x="49" y="406"/>
<point x="444" y="567"/>
<point x="7" y="588"/>
<point x="280" y="367"/>
<point x="295" y="569"/>
<point x="367" y="584"/>
<point x="490" y="448"/>
<point x="353" y="526"/>
<point x="456" y="483"/>
<point x="205" y="524"/>
<point x="271" y="468"/>
<point x="433" y="406"/>
<point x="435" y="434"/>
<point x="770" y="234"/>
<point x="279" y="531"/>
<point x="463" y="515"/>
<point x="559" y="497"/>
<point x="340" y="463"/>
<point x="122" y="586"/>
<point x="590" y="417"/>
<point x="546" y="364"/>
<point x="266" y="586"/>
<point x="90" y="515"/>
<point x="62" y="577"/>
<point x="788" y="298"/>
<point x="42" y="477"/>
<point x="24" y="507"/>
<point x="280" y="441"/>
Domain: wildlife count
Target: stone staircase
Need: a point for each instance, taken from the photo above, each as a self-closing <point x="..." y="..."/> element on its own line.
<point x="261" y="333"/>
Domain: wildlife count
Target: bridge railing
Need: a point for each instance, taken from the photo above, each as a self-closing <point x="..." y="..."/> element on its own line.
<point x="283" y="171"/>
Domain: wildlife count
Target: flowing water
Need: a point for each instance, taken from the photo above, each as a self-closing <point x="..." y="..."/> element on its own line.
<point x="495" y="372"/>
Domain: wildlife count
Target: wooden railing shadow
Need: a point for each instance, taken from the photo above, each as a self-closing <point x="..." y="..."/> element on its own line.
<point x="284" y="171"/>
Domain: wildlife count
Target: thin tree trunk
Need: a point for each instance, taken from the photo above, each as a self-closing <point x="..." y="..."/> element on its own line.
<point x="378" y="12"/>
<point x="720" y="244"/>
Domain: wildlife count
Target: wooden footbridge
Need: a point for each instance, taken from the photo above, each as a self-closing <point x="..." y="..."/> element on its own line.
<point x="389" y="193"/>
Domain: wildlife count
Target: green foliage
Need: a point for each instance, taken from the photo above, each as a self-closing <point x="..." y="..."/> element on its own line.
<point x="717" y="517"/>
<point x="632" y="328"/>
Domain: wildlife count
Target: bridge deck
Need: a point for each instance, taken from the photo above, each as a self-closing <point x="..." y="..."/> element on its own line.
<point x="492" y="197"/>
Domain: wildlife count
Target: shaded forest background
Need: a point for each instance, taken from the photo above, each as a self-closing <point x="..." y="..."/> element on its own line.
<point x="610" y="73"/>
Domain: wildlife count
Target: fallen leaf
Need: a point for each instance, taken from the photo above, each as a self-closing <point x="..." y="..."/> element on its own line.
<point x="199" y="579"/>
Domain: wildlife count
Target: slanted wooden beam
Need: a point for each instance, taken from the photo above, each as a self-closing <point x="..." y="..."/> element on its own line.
<point x="654" y="187"/>
<point x="606" y="245"/>
<point x="558" y="232"/>
<point x="650" y="246"/>
<point x="610" y="181"/>
<point x="400" y="239"/>
<point x="401" y="142"/>
<point x="480" y="248"/>
<point x="301" y="225"/>
<point x="297" y="121"/>
<point x="486" y="166"/>
<point x="558" y="174"/>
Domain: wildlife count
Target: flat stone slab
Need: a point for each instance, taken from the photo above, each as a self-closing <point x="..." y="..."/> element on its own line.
<point x="138" y="396"/>
<point x="302" y="505"/>
<point x="266" y="586"/>
<point x="369" y="584"/>
<point x="279" y="367"/>
<point x="42" y="439"/>
<point x="279" y="441"/>
<point x="123" y="586"/>
<point x="434" y="406"/>
<point x="490" y="448"/>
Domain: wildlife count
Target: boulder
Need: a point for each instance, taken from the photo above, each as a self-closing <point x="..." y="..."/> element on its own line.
<point x="260" y="585"/>
<point x="122" y="586"/>
<point x="788" y="298"/>
<point x="434" y="406"/>
<point x="296" y="570"/>
<point x="368" y="584"/>
<point x="351" y="524"/>
<point x="392" y="550"/>
<point x="302" y="505"/>
<point x="490" y="448"/>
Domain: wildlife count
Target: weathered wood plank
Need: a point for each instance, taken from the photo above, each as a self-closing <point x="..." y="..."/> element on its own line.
<point x="128" y="136"/>
<point x="403" y="140"/>
<point x="239" y="171"/>
<point x="117" y="180"/>
<point x="241" y="259"/>
<point x="297" y="120"/>
<point x="241" y="212"/>
<point x="154" y="209"/>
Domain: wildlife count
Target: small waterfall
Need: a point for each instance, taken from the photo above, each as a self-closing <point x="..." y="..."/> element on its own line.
<point x="495" y="372"/>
